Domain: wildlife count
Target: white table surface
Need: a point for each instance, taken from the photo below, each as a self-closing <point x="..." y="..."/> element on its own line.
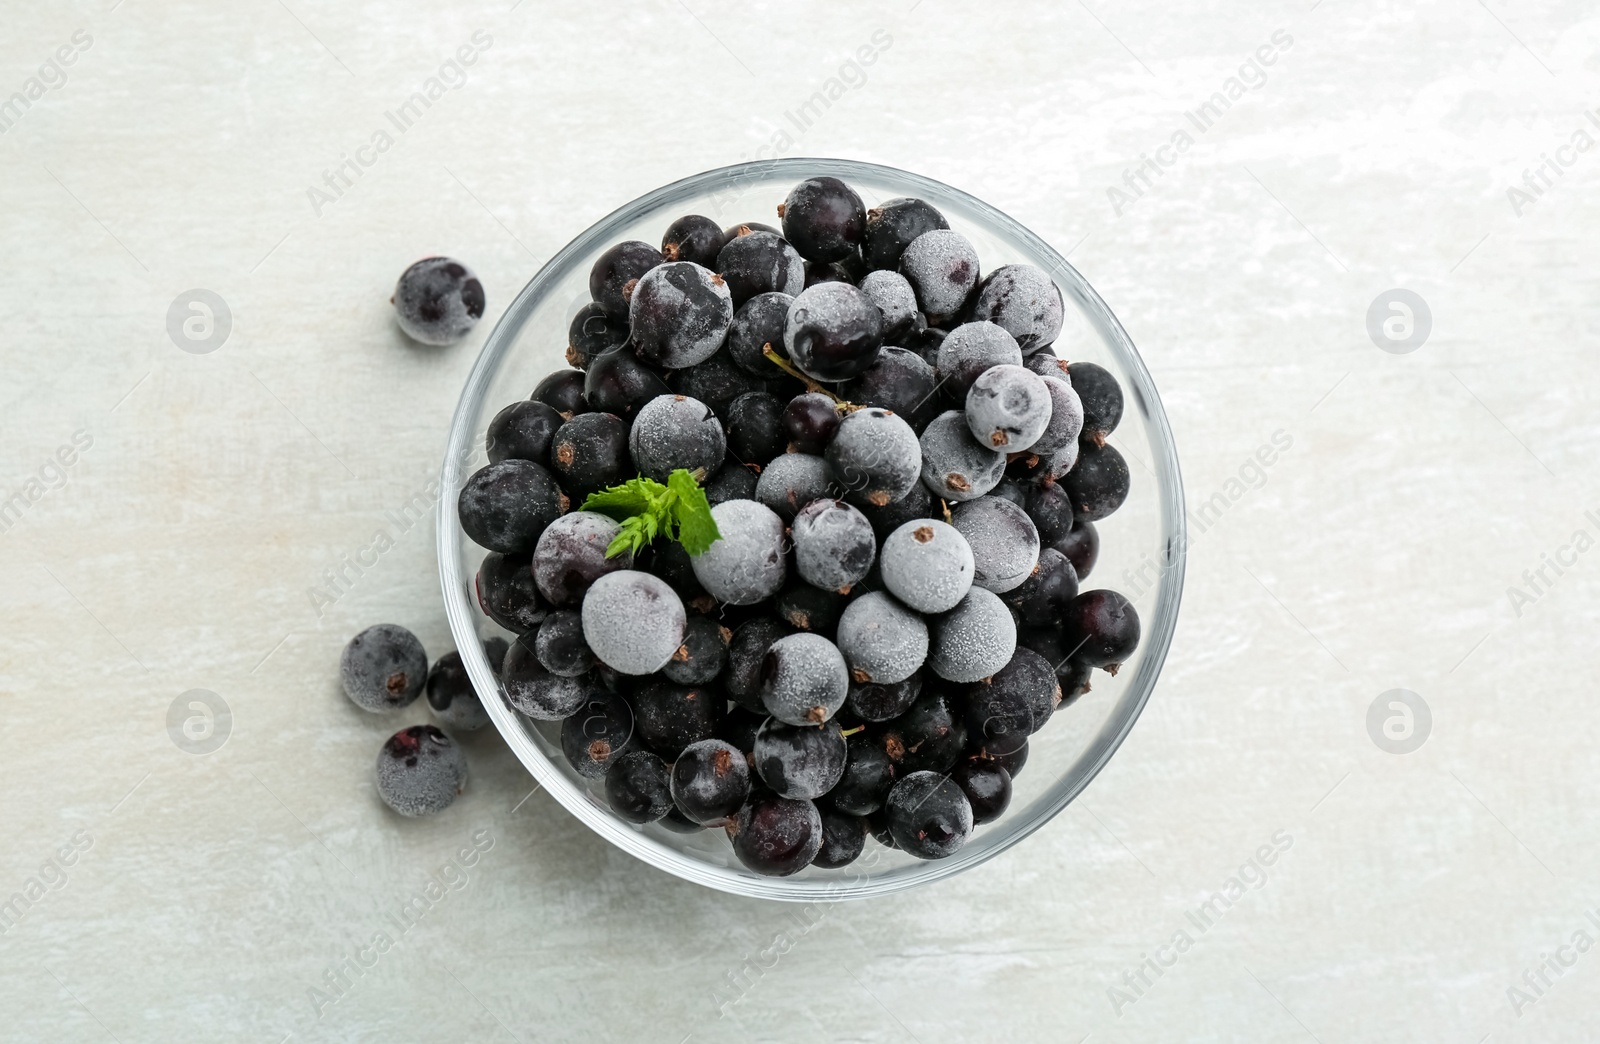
<point x="209" y="894"/>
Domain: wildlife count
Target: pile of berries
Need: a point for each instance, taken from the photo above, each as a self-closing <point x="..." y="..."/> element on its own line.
<point x="901" y="480"/>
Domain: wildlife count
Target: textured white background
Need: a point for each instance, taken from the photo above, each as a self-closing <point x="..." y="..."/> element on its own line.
<point x="180" y="551"/>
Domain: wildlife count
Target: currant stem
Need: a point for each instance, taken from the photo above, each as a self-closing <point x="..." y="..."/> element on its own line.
<point x="793" y="371"/>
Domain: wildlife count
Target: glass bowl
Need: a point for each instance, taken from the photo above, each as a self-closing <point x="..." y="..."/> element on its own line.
<point x="1141" y="546"/>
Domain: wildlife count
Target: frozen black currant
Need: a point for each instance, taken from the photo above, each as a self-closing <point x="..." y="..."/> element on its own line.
<point x="833" y="332"/>
<point x="618" y="382"/>
<point x="675" y="431"/>
<point x="710" y="781"/>
<point x="900" y="382"/>
<point x="562" y="391"/>
<point x="571" y="555"/>
<point x="1075" y="680"/>
<point x="739" y="726"/>
<point x="1098" y="484"/>
<point x="420" y="771"/>
<point x="800" y="761"/>
<point x="896" y="301"/>
<point x="746" y="652"/>
<point x="696" y="238"/>
<point x="703" y="653"/>
<point x="633" y="621"/>
<point x="893" y="226"/>
<point x="438" y="300"/>
<point x="824" y="219"/>
<point x="1025" y="301"/>
<point x="928" y="815"/>
<point x="745" y="228"/>
<point x="759" y="322"/>
<point x="942" y="267"/>
<point x="716" y="382"/>
<point x="639" y="787"/>
<point x="833" y="544"/>
<point x="1008" y="752"/>
<point x="882" y="641"/>
<point x="927" y="564"/>
<point x="615" y="277"/>
<point x="384" y="668"/>
<point x="668" y="717"/>
<point x="451" y="696"/>
<point x="956" y="466"/>
<point x="1050" y="509"/>
<point x="808" y="608"/>
<point x="597" y="733"/>
<point x="875" y="456"/>
<point x="869" y="772"/>
<point x="971" y="349"/>
<point x="803" y="680"/>
<point x="507" y="594"/>
<point x="1101" y="397"/>
<point x="926" y="344"/>
<point x="758" y="263"/>
<point x="589" y="453"/>
<point x="733" y="481"/>
<point x="559" y="645"/>
<point x="1066" y="418"/>
<point x="1004" y="542"/>
<point x="746" y="565"/>
<point x="882" y="701"/>
<point x="592" y="333"/>
<point x="974" y="639"/>
<point x="1081" y="546"/>
<point x="680" y="315"/>
<point x="987" y="786"/>
<point x="810" y="421"/>
<point x="1039" y="600"/>
<point x="918" y="503"/>
<point x="930" y="736"/>
<point x="1008" y="408"/>
<point x="1017" y="699"/>
<point x="775" y="836"/>
<point x="522" y="431"/>
<point x="790" y="481"/>
<point x="820" y="273"/>
<point x="755" y="428"/>
<point x="1045" y="363"/>
<point x="1100" y="628"/>
<point x="506" y="506"/>
<point x="843" y="838"/>
<point x="532" y="689"/>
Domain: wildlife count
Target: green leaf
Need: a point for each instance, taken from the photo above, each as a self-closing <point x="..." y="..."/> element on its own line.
<point x="693" y="525"/>
<point x="634" y="497"/>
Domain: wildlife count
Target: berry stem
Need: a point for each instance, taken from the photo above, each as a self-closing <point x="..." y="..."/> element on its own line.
<point x="793" y="371"/>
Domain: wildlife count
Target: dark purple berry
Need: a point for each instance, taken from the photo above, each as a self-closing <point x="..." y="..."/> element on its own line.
<point x="1101" y="397"/>
<point x="522" y="431"/>
<point x="673" y="432"/>
<point x="1098" y="484"/>
<point x="592" y="333"/>
<point x="986" y="785"/>
<point x="928" y="815"/>
<point x="875" y="456"/>
<point x="562" y="391"/>
<point x="759" y="322"/>
<point x="744" y="228"/>
<point x="883" y="701"/>
<point x="716" y="382"/>
<point x="710" y="781"/>
<point x="1050" y="508"/>
<point x="1008" y="752"/>
<point x="843" y="838"/>
<point x="616" y="274"/>
<point x="589" y="453"/>
<point x="1100" y="628"/>
<point x="669" y="717"/>
<point x="800" y="761"/>
<point x="507" y="594"/>
<point x="824" y="219"/>
<point x="639" y="787"/>
<point x="746" y="652"/>
<point x="897" y="302"/>
<point x="760" y="263"/>
<point x="733" y="481"/>
<point x="834" y="332"/>
<point x="942" y="267"/>
<point x="506" y="506"/>
<point x="1017" y="699"/>
<point x="810" y="421"/>
<point x="383" y="668"/>
<point x="438" y="300"/>
<point x="617" y="382"/>
<point x="1025" y="301"/>
<point x="533" y="690"/>
<point x="869" y="772"/>
<point x="775" y="836"/>
<point x="901" y="382"/>
<point x="926" y="344"/>
<point x="703" y="654"/>
<point x="597" y="733"/>
<point x="680" y="315"/>
<point x="931" y="734"/>
<point x="755" y="428"/>
<point x="451" y="696"/>
<point x="420" y="771"/>
<point x="886" y="518"/>
<point x="808" y="608"/>
<point x="892" y="226"/>
<point x="1040" y="599"/>
<point x="693" y="237"/>
<point x="559" y="645"/>
<point x="1081" y="546"/>
<point x="571" y="556"/>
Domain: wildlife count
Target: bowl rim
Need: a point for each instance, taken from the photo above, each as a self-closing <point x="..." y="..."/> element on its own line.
<point x="460" y="608"/>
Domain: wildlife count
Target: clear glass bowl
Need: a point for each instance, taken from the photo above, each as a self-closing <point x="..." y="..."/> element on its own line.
<point x="1141" y="547"/>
